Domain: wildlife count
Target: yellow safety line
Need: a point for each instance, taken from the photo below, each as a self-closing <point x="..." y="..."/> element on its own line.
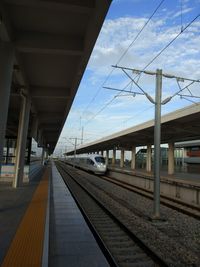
<point x="27" y="246"/>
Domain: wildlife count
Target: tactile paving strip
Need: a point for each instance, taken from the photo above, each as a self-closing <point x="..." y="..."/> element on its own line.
<point x="27" y="246"/>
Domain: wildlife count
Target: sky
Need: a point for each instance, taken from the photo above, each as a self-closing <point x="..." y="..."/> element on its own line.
<point x="98" y="112"/>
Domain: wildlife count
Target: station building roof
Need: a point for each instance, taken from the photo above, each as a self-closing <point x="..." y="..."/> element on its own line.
<point x="53" y="40"/>
<point x="180" y="125"/>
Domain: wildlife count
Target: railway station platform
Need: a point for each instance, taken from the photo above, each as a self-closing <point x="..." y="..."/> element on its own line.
<point x="185" y="176"/>
<point x="41" y="225"/>
<point x="182" y="186"/>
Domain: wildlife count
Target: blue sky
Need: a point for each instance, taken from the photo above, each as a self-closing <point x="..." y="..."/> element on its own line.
<point x="90" y="110"/>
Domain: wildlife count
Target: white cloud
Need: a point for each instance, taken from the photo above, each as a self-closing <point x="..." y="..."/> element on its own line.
<point x="184" y="11"/>
<point x="118" y="35"/>
<point x="182" y="58"/>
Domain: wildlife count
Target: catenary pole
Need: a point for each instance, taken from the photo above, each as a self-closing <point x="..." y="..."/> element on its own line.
<point x="158" y="102"/>
<point x="157" y="137"/>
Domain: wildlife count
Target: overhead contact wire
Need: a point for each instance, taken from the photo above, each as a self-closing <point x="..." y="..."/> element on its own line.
<point x="122" y="56"/>
<point x="188" y="25"/>
<point x="125" y="52"/>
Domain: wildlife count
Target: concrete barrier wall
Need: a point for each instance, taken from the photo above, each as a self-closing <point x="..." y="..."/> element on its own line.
<point x="185" y="191"/>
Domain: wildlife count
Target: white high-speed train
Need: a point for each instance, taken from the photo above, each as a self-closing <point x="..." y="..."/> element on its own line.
<point x="89" y="162"/>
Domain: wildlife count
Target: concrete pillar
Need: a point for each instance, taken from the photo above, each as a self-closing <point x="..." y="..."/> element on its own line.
<point x="133" y="152"/>
<point x="14" y="151"/>
<point x="39" y="137"/>
<point x="34" y="127"/>
<point x="107" y="156"/>
<point x="43" y="155"/>
<point x="122" y="158"/>
<point x="114" y="157"/>
<point x="6" y="69"/>
<point x="14" y="156"/>
<point x="7" y="150"/>
<point x="29" y="151"/>
<point x="148" y="159"/>
<point x="171" y="158"/>
<point x="22" y="140"/>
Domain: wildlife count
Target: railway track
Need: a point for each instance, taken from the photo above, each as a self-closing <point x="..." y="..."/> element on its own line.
<point x="128" y="237"/>
<point x="176" y="204"/>
<point x="119" y="244"/>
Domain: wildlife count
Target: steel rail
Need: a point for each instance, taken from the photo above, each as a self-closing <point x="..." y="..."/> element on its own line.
<point x="139" y="242"/>
<point x="186" y="208"/>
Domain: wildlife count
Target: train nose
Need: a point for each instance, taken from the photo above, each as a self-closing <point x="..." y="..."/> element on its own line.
<point x="101" y="167"/>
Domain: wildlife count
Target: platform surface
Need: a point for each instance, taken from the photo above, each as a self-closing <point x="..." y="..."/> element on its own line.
<point x="71" y="241"/>
<point x="185" y="176"/>
<point x="13" y="205"/>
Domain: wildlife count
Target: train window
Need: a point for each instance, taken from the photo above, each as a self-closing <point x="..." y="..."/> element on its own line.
<point x="90" y="162"/>
<point x="100" y="160"/>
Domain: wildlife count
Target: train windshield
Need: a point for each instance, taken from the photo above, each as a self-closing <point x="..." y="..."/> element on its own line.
<point x="100" y="160"/>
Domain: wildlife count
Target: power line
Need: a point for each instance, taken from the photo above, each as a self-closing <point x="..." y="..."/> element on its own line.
<point x="94" y="97"/>
<point x="169" y="76"/>
<point x="181" y="15"/>
<point x="122" y="56"/>
<point x="125" y="52"/>
<point x="138" y="114"/>
<point x="182" y="30"/>
<point x="197" y="103"/>
<point x="131" y="118"/>
<point x="108" y="103"/>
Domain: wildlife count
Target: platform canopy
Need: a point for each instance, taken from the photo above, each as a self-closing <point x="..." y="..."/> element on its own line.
<point x="181" y="125"/>
<point x="53" y="40"/>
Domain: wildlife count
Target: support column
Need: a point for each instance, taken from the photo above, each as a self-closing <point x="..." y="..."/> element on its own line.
<point x="28" y="161"/>
<point x="6" y="69"/>
<point x="122" y="158"/>
<point x="43" y="155"/>
<point x="39" y="137"/>
<point x="7" y="150"/>
<point x="22" y="140"/>
<point x="133" y="152"/>
<point x="148" y="163"/>
<point x="114" y="157"/>
<point x="34" y="127"/>
<point x="107" y="156"/>
<point x="14" y="151"/>
<point x="171" y="158"/>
